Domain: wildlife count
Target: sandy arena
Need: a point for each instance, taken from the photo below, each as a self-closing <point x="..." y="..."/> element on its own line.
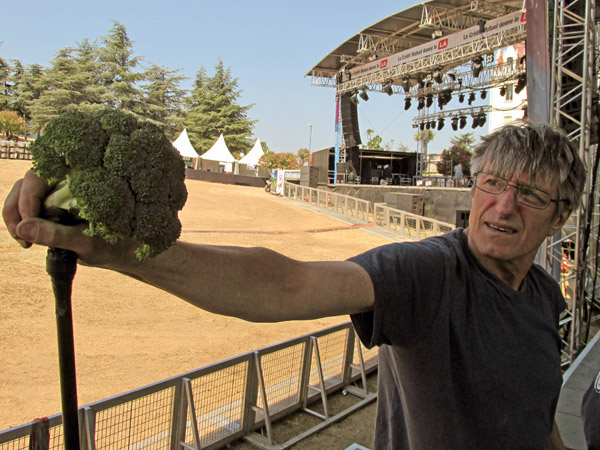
<point x="128" y="334"/>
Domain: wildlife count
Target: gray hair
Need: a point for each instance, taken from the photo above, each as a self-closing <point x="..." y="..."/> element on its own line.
<point x="541" y="149"/>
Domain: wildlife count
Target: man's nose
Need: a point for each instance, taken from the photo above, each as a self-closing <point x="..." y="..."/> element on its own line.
<point x="507" y="200"/>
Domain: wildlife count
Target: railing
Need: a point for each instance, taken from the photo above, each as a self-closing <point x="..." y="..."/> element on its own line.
<point x="218" y="404"/>
<point x="344" y="204"/>
<point x="14" y="150"/>
<point x="412" y="225"/>
<point x="408" y="224"/>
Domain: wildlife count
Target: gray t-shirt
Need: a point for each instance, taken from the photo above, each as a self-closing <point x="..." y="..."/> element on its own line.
<point x="465" y="362"/>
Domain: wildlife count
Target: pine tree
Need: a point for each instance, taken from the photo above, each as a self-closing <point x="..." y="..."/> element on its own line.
<point x="118" y="76"/>
<point x="214" y="109"/>
<point x="163" y="99"/>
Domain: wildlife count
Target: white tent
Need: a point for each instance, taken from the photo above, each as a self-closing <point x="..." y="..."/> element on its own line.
<point x="184" y="146"/>
<point x="219" y="152"/>
<point x="251" y="159"/>
<point x="218" y="155"/>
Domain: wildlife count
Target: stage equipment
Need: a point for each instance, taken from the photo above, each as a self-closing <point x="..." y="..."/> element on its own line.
<point x="437" y="75"/>
<point x="406" y="84"/>
<point x="521" y="83"/>
<point x="461" y="97"/>
<point x="481" y="24"/>
<point x="387" y="88"/>
<point x="440" y="123"/>
<point x="354" y="97"/>
<point x="471" y="98"/>
<point x="349" y="113"/>
<point x="429" y="101"/>
<point x="422" y="126"/>
<point x="476" y="66"/>
<point x="503" y="91"/>
<point x="407" y="103"/>
<point x="462" y="122"/>
<point x="364" y="95"/>
<point x="483" y="94"/>
<point x="454" y="123"/>
<point x="475" y="122"/>
<point x="482" y="119"/>
<point x="421" y="103"/>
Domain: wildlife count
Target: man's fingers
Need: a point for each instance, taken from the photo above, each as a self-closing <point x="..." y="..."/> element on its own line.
<point x="33" y="191"/>
<point x="50" y="234"/>
<point x="10" y="211"/>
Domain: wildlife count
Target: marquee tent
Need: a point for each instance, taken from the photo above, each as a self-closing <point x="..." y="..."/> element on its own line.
<point x="184" y="146"/>
<point x="251" y="159"/>
<point x="218" y="155"/>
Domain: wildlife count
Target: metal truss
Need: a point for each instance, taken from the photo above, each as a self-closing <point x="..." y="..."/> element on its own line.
<point x="572" y="257"/>
<point x="452" y="57"/>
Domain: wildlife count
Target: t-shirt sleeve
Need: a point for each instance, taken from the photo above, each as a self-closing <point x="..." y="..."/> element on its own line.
<point x="408" y="281"/>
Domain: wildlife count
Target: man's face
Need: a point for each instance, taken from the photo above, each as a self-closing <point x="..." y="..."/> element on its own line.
<point x="504" y="232"/>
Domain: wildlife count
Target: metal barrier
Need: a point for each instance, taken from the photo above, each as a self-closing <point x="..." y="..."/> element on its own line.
<point x="14" y="150"/>
<point x="408" y="224"/>
<point x="218" y="404"/>
<point x="339" y="203"/>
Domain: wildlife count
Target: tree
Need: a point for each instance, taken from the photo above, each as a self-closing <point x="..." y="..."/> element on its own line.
<point x="11" y="125"/>
<point x="163" y="99"/>
<point x="272" y="160"/>
<point x="118" y="76"/>
<point x="459" y="152"/>
<point x="303" y="156"/>
<point x="374" y="141"/>
<point x="214" y="109"/>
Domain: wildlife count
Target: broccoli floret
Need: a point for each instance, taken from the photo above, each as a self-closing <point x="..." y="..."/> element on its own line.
<point x="121" y="176"/>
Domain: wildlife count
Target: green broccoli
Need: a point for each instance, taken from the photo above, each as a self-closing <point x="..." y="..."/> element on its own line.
<point x="121" y="176"/>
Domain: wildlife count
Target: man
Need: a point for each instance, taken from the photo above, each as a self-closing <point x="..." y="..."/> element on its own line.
<point x="466" y="324"/>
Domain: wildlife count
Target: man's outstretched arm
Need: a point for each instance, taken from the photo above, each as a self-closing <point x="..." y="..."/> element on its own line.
<point x="255" y="284"/>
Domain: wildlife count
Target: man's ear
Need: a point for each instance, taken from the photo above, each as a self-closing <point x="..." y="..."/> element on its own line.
<point x="558" y="221"/>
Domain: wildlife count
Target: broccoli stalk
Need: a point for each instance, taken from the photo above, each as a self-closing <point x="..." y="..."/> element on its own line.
<point x="122" y="177"/>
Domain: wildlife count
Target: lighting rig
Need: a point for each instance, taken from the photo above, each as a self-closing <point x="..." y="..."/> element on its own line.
<point x="458" y="118"/>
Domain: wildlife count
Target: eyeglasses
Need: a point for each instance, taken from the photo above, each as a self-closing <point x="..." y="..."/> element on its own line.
<point x="526" y="195"/>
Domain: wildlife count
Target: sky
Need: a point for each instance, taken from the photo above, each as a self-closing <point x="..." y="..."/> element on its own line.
<point x="269" y="45"/>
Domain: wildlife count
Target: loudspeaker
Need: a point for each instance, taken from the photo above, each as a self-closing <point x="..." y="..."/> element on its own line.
<point x="349" y="113"/>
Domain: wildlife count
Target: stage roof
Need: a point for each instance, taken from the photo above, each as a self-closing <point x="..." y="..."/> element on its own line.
<point x="409" y="28"/>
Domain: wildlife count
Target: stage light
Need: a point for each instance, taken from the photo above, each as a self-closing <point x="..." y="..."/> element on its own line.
<point x="481" y="24"/>
<point x="421" y="103"/>
<point x="429" y="100"/>
<point x="406" y="84"/>
<point x="421" y="84"/>
<point x="440" y="123"/>
<point x="521" y="83"/>
<point x="364" y="95"/>
<point x="428" y="125"/>
<point x="482" y="119"/>
<point x="476" y="66"/>
<point x="503" y="91"/>
<point x="475" y="122"/>
<point x="483" y="94"/>
<point x="354" y="98"/>
<point x="471" y="98"/>
<point x="462" y="122"/>
<point x="454" y="123"/>
<point x="437" y="75"/>
<point x="407" y="103"/>
<point x="437" y="33"/>
<point x="461" y="97"/>
<point x="432" y="124"/>
<point x="422" y="126"/>
<point x="387" y="88"/>
<point x="452" y="76"/>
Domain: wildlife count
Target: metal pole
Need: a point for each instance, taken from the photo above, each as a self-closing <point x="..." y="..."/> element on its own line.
<point x="310" y="137"/>
<point x="61" y="265"/>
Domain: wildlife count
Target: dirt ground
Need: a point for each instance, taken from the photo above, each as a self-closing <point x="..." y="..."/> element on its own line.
<point x="128" y="334"/>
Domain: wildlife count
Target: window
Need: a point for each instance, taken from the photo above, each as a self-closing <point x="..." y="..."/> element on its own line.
<point x="510" y="88"/>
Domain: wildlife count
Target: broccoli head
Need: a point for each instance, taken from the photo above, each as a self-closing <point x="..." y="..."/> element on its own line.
<point x="121" y="176"/>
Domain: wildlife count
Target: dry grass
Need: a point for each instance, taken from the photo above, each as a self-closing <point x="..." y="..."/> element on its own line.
<point x="128" y="334"/>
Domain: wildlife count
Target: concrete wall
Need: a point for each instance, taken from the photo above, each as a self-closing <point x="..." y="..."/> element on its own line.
<point x="440" y="203"/>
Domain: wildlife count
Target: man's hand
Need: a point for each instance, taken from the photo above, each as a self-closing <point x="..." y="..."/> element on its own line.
<point x="21" y="214"/>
